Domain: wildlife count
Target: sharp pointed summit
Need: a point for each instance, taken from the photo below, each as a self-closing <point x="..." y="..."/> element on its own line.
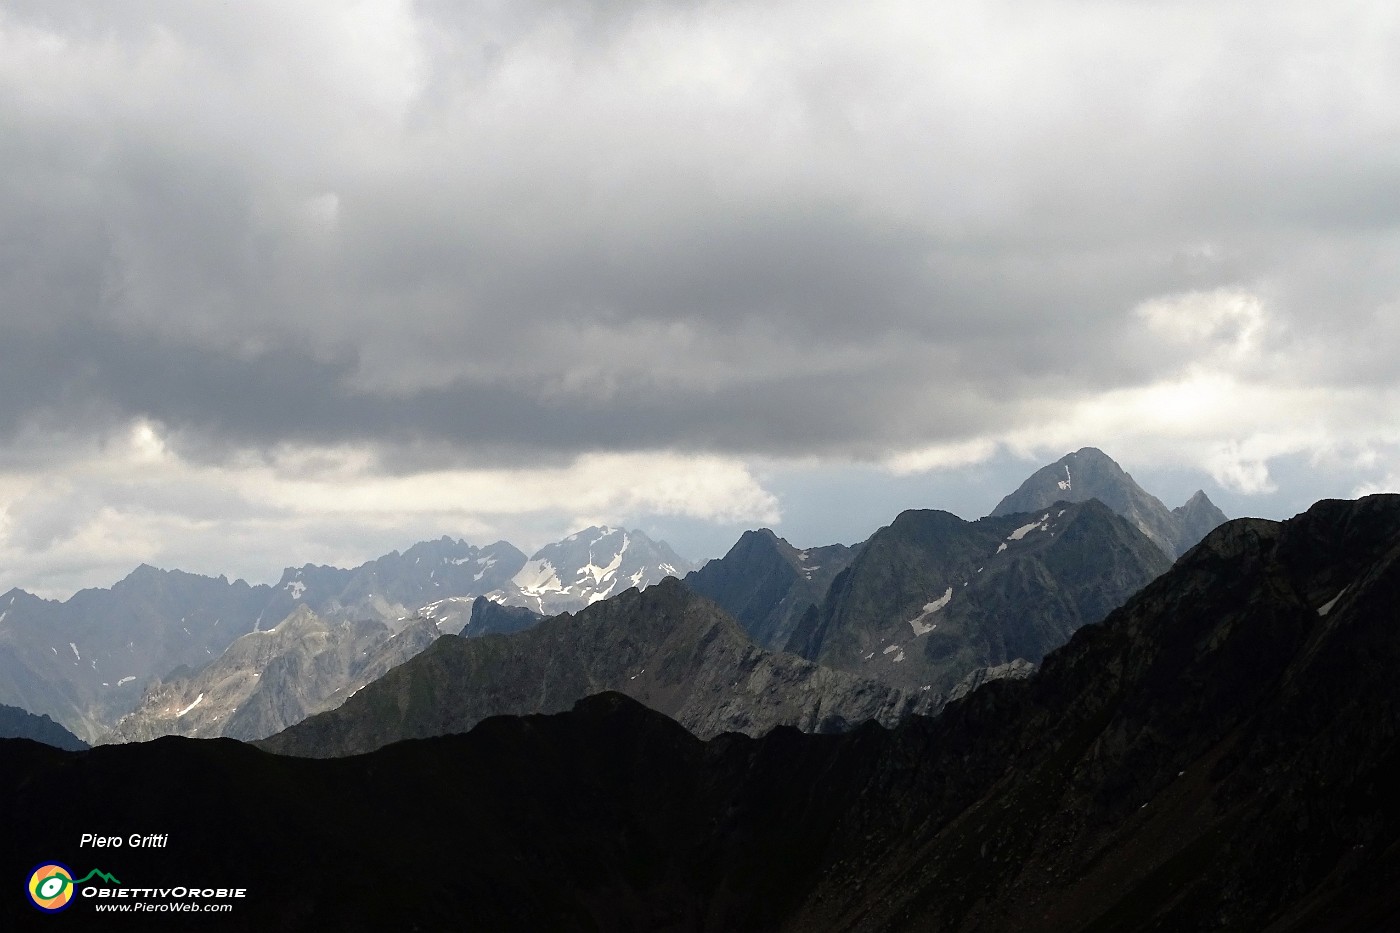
<point x="1089" y="473"/>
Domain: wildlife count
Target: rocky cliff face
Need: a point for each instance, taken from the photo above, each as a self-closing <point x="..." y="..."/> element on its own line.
<point x="932" y="598"/>
<point x="265" y="681"/>
<point x="1091" y="474"/>
<point x="670" y="649"/>
<point x="767" y="584"/>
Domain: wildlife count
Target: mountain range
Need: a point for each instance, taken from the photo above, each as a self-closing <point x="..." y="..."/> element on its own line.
<point x="165" y="652"/>
<point x="1037" y="583"/>
<point x="87" y="660"/>
<point x="1216" y="754"/>
<point x="1034" y="584"/>
<point x="103" y="653"/>
<point x="886" y="645"/>
<point x="270" y="678"/>
<point x="672" y="650"/>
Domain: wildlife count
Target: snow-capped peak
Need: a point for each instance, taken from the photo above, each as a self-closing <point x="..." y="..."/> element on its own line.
<point x="588" y="566"/>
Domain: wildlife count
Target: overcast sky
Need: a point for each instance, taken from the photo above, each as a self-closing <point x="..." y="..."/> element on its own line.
<point x="288" y="282"/>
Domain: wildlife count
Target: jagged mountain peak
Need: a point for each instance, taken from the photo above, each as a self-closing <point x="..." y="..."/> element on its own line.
<point x="760" y="541"/>
<point x="1089" y="473"/>
<point x="589" y="565"/>
<point x="767" y="584"/>
<point x="146" y="575"/>
<point x="16" y="596"/>
<point x="261" y="683"/>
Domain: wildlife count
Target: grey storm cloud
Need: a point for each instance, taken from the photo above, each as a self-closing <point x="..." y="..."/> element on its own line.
<point x="526" y="231"/>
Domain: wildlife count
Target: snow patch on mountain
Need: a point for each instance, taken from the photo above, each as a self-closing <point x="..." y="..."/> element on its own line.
<point x="197" y="700"/>
<point x="920" y="623"/>
<point x="1040" y="524"/>
<point x="1327" y="606"/>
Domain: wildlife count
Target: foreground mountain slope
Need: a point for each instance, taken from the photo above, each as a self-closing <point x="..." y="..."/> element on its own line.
<point x="610" y="817"/>
<point x="1218" y="754"/>
<point x="931" y="597"/>
<point x="1089" y="473"/>
<point x="1212" y="756"/>
<point x="668" y="648"/>
<point x="767" y="584"/>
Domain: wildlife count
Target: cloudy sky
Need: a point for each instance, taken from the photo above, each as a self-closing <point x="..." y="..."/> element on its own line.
<point x="306" y="282"/>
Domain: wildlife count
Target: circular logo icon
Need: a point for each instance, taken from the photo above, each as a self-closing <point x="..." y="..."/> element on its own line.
<point x="51" y="887"/>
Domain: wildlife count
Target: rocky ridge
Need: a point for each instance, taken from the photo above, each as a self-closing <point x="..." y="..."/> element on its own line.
<point x="16" y="723"/>
<point x="265" y="681"/>
<point x="667" y="647"/>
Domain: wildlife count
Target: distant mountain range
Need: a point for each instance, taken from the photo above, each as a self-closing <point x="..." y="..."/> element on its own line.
<point x="1216" y="754"/>
<point x="930" y="606"/>
<point x="392" y="587"/>
<point x="922" y="605"/>
<point x="86" y="661"/>
<point x="91" y="659"/>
